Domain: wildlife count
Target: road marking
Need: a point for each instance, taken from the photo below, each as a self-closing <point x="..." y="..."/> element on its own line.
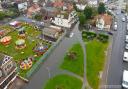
<point x="49" y="74"/>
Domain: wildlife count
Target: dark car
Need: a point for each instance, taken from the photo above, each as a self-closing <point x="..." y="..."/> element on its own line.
<point x="110" y="33"/>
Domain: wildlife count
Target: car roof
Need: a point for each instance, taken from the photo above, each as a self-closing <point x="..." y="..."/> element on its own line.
<point x="126" y="54"/>
<point x="125" y="75"/>
<point x="126" y="36"/>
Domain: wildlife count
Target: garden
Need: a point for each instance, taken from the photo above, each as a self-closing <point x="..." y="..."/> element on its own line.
<point x="22" y="43"/>
<point x="96" y="49"/>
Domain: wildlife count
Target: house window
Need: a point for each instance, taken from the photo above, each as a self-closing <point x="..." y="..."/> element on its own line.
<point x="8" y="67"/>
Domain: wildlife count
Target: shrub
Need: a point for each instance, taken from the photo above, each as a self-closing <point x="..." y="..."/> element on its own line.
<point x="2" y="15"/>
<point x="103" y="38"/>
<point x="38" y="17"/>
<point x="88" y="35"/>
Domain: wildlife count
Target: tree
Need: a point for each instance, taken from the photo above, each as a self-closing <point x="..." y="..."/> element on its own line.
<point x="126" y="8"/>
<point x="94" y="11"/>
<point x="101" y="8"/>
<point x="38" y="17"/>
<point x="82" y="18"/>
<point x="88" y="12"/>
<point x="2" y="15"/>
<point x="72" y="55"/>
<point x="13" y="12"/>
<point x="74" y="6"/>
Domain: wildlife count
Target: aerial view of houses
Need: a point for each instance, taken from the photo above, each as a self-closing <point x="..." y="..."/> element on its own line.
<point x="63" y="44"/>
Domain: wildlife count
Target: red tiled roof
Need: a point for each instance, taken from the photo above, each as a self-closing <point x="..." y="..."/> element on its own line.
<point x="107" y="18"/>
<point x="58" y="4"/>
<point x="33" y="8"/>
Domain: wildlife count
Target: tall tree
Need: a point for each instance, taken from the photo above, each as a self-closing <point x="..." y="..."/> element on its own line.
<point x="101" y="8"/>
<point x="82" y="18"/>
<point x="88" y="12"/>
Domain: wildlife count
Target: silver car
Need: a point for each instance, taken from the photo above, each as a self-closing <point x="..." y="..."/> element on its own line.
<point x="126" y="47"/>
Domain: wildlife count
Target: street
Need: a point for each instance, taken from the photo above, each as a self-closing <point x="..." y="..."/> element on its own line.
<point x="116" y="66"/>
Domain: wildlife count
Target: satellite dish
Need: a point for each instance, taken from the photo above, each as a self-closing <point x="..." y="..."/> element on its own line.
<point x="0" y="73"/>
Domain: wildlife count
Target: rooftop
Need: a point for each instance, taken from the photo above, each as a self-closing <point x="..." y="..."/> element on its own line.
<point x="107" y="18"/>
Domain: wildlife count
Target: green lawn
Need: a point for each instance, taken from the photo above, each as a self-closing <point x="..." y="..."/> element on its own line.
<point x="64" y="82"/>
<point x="31" y="34"/>
<point x="76" y="66"/>
<point x="95" y="61"/>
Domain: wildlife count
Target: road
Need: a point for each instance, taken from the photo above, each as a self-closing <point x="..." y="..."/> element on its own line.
<point x="116" y="66"/>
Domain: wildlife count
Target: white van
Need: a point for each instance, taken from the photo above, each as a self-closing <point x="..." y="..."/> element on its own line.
<point x="125" y="58"/>
<point x="115" y="27"/>
<point x="126" y="39"/>
<point x="125" y="79"/>
<point x="123" y="19"/>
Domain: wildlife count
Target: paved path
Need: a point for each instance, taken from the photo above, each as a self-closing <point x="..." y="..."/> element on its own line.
<point x="79" y="37"/>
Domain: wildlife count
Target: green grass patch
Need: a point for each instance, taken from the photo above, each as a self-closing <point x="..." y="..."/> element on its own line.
<point x="31" y="34"/>
<point x="95" y="61"/>
<point x="74" y="65"/>
<point x="64" y="82"/>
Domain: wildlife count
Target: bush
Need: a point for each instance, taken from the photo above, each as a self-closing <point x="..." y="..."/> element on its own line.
<point x="38" y="17"/>
<point x="2" y="15"/>
<point x="82" y="18"/>
<point x="103" y="38"/>
<point x="13" y="12"/>
<point x="88" y="35"/>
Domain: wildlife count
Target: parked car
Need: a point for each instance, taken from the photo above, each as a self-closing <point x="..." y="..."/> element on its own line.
<point x="122" y="11"/>
<point x="127" y="18"/>
<point x="125" y="79"/>
<point x="71" y="35"/>
<point x="110" y="33"/>
<point x="127" y="27"/>
<point x="125" y="58"/>
<point x="123" y="19"/>
<point x="115" y="27"/>
<point x="126" y="47"/>
<point x="126" y="39"/>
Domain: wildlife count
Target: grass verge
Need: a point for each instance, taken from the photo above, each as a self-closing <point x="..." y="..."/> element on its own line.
<point x="64" y="82"/>
<point x="95" y="61"/>
<point x="74" y="65"/>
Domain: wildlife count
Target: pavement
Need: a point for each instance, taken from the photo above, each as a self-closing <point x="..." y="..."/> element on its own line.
<point x="18" y="83"/>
